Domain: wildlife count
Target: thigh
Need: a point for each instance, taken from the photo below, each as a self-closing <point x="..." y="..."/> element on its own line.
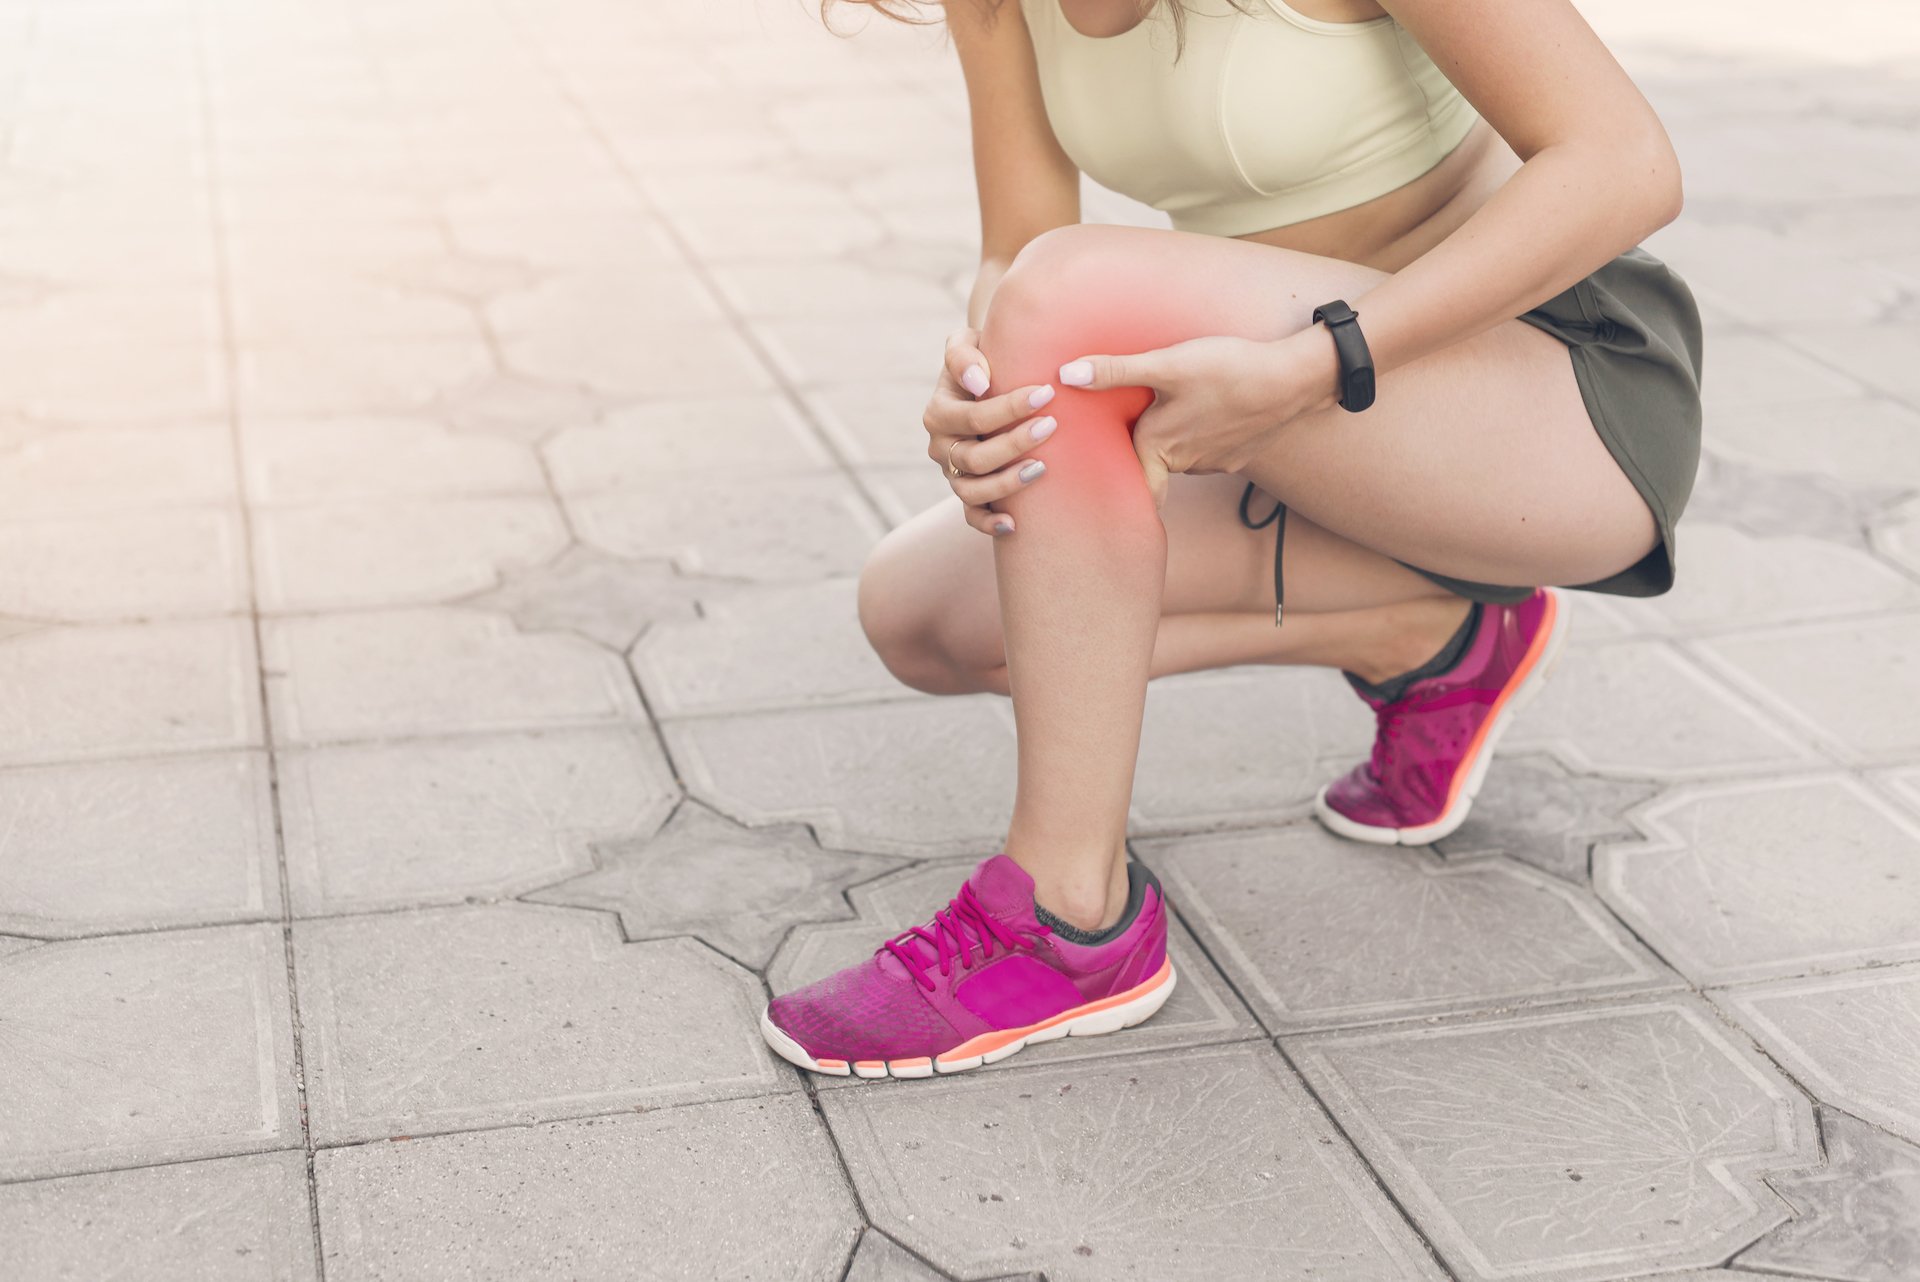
<point x="1478" y="462"/>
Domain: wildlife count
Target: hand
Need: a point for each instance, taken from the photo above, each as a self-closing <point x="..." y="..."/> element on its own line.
<point x="984" y="438"/>
<point x="1217" y="401"/>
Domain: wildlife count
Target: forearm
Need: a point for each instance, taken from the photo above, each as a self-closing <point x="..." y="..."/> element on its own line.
<point x="1569" y="210"/>
<point x="988" y="280"/>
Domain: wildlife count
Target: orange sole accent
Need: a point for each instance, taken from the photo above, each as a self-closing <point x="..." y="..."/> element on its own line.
<point x="1519" y="678"/>
<point x="987" y="1043"/>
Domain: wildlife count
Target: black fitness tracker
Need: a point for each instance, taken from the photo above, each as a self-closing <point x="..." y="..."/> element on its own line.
<point x="1356" y="362"/>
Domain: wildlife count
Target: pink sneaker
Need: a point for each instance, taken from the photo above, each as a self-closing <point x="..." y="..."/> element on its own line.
<point x="980" y="981"/>
<point x="1432" y="747"/>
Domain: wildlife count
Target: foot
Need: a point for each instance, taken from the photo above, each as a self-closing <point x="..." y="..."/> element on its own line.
<point x="1431" y="749"/>
<point x="980" y="981"/>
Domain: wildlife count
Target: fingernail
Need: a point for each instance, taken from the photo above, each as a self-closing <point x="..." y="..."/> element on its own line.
<point x="1041" y="395"/>
<point x="1042" y="429"/>
<point x="1076" y="373"/>
<point x="1033" y="469"/>
<point x="975" y="380"/>
<point x="1003" y="526"/>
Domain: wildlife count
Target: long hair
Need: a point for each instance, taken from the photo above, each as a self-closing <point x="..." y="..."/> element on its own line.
<point x="915" y="12"/>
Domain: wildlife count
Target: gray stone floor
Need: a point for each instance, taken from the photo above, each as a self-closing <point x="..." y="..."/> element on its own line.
<point x="435" y="442"/>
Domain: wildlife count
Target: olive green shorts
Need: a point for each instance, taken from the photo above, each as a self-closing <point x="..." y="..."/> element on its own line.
<point x="1633" y="333"/>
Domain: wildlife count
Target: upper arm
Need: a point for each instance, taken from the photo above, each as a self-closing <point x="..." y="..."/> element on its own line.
<point x="1538" y="74"/>
<point x="1027" y="185"/>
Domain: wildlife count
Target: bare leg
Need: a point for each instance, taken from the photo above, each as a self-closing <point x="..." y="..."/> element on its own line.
<point x="1477" y="462"/>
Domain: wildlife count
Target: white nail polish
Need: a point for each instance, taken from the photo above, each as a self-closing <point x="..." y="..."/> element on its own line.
<point x="1042" y="429"/>
<point x="1076" y="373"/>
<point x="1040" y="396"/>
<point x="975" y="380"/>
<point x="1032" y="470"/>
<point x="1003" y="526"/>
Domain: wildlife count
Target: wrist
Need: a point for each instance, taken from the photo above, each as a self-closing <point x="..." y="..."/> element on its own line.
<point x="1314" y="364"/>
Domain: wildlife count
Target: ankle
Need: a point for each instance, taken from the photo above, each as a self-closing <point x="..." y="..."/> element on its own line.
<point x="1410" y="634"/>
<point x="1091" y="900"/>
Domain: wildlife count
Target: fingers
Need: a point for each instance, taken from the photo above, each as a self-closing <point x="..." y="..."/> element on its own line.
<point x="1099" y="373"/>
<point x="950" y="416"/>
<point x="979" y="458"/>
<point x="988" y="521"/>
<point x="965" y="364"/>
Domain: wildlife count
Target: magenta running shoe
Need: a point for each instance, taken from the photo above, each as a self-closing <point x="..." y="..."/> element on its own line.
<point x="1431" y="749"/>
<point x="980" y="981"/>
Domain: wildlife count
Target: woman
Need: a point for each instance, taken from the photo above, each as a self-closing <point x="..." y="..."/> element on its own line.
<point x="1470" y="177"/>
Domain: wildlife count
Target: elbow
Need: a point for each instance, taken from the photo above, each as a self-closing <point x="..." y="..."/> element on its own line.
<point x="1658" y="181"/>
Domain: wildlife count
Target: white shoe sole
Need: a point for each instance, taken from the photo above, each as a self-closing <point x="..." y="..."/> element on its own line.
<point x="1456" y="814"/>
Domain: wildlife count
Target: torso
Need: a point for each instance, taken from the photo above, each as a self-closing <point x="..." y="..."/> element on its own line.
<point x="1389" y="230"/>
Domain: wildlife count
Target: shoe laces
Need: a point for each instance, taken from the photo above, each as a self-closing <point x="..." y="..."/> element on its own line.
<point x="957" y="930"/>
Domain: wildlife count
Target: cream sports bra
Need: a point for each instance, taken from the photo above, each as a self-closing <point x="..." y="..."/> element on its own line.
<point x="1266" y="119"/>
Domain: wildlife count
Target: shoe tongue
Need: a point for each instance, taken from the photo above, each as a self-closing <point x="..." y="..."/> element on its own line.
<point x="1006" y="891"/>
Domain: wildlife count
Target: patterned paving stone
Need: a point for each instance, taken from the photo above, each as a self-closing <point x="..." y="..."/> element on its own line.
<point x="438" y="821"/>
<point x="123" y="691"/>
<point x="241" y="1219"/>
<point x="516" y="408"/>
<point x="637" y="446"/>
<point x="1204" y="1164"/>
<point x="1291" y="731"/>
<point x="739" y="889"/>
<point x="457" y="1019"/>
<point x="689" y="358"/>
<point x="919" y="778"/>
<point x="1319" y="932"/>
<point x="879" y="1258"/>
<point x="680" y="1193"/>
<point x="1203" y="1009"/>
<point x="1864" y="443"/>
<point x="875" y="421"/>
<point x="604" y="598"/>
<point x="904" y="491"/>
<point x="1852" y="1039"/>
<point x="141" y="1049"/>
<point x="770" y="528"/>
<point x="793" y="647"/>
<point x="1590" y="1143"/>
<point x="77" y="471"/>
<point x="1532" y="809"/>
<point x="1735" y="580"/>
<point x="117" y="846"/>
<point x="1769" y="504"/>
<point x="822" y="348"/>
<point x="141" y="565"/>
<point x="412" y="672"/>
<point x="1757" y="880"/>
<point x="1638" y="709"/>
<point x="1836" y="679"/>
<point x="367" y="555"/>
<point x="1857" y="1219"/>
<point x="1898" y="536"/>
<point x="340" y="459"/>
<point x="356" y="376"/>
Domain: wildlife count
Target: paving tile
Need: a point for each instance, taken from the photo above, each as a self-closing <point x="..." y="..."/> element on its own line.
<point x="1735" y="580"/>
<point x="1597" y="1142"/>
<point x="633" y="447"/>
<point x="60" y="381"/>
<point x="739" y="889"/>
<point x="766" y="528"/>
<point x="124" y="691"/>
<point x="604" y="598"/>
<point x="281" y="307"/>
<point x="876" y="420"/>
<point x="1856" y="441"/>
<point x="902" y="492"/>
<point x="684" y="359"/>
<point x="680" y="1193"/>
<point x="1879" y="355"/>
<point x="386" y="825"/>
<point x="1753" y="369"/>
<point x="1858" y="1218"/>
<point x="339" y="459"/>
<point x="828" y="348"/>
<point x="879" y="1258"/>
<point x="1851" y="1038"/>
<point x="134" y="845"/>
<point x="1320" y="932"/>
<point x="1532" y="809"/>
<point x="414" y="672"/>
<point x="465" y="1018"/>
<point x="239" y="1219"/>
<point x="1222" y="1167"/>
<point x="1639" y="710"/>
<point x="368" y="554"/>
<point x="1836" y="679"/>
<point x="918" y="778"/>
<point x="1293" y="730"/>
<point x="1898" y="536"/>
<point x="813" y="288"/>
<point x="160" y="563"/>
<point x="142" y="1049"/>
<point x="792" y="647"/>
<point x="355" y="376"/>
<point x="115" y="470"/>
<point x="1753" y="880"/>
<point x="516" y="408"/>
<point x="1773" y="504"/>
<point x="1768" y="279"/>
<point x="560" y="239"/>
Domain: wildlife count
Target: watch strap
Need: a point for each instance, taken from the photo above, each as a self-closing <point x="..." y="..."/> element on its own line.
<point x="1356" y="362"/>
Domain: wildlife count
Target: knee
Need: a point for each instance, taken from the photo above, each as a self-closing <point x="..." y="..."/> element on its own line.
<point x="907" y="625"/>
<point x="1060" y="288"/>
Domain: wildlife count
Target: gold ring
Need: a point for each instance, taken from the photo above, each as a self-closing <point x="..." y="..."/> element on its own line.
<point x="953" y="469"/>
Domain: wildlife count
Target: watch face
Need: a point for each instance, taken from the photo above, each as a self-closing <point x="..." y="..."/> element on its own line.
<point x="1360" y="389"/>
